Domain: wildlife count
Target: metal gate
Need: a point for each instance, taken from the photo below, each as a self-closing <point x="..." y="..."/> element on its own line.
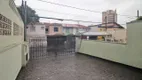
<point x="51" y="46"/>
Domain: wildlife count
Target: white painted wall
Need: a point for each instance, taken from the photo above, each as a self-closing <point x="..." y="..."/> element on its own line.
<point x="129" y="54"/>
<point x="94" y="29"/>
<point x="11" y="45"/>
<point x="75" y="31"/>
<point x="37" y="35"/>
<point x="39" y="30"/>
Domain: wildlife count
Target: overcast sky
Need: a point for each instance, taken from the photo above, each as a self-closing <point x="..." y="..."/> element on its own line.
<point x="123" y="7"/>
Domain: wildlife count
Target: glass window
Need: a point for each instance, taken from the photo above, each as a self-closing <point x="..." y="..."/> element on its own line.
<point x="5" y="25"/>
<point x="16" y="29"/>
<point x="55" y="29"/>
<point x="32" y="28"/>
<point x="46" y="30"/>
<point x="42" y="28"/>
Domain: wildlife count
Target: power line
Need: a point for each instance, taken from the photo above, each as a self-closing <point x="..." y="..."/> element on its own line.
<point x="61" y="19"/>
<point x="58" y="12"/>
<point x="79" y="8"/>
<point x="67" y="13"/>
<point x="69" y="6"/>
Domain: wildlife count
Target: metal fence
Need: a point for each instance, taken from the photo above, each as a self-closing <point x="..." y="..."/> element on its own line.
<point x="51" y="46"/>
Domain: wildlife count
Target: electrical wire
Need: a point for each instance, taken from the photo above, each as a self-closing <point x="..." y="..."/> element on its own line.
<point x="61" y="19"/>
<point x="79" y="8"/>
<point x="69" y="13"/>
<point x="58" y="12"/>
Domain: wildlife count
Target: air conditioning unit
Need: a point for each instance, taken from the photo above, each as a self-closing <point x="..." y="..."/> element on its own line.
<point x="25" y="54"/>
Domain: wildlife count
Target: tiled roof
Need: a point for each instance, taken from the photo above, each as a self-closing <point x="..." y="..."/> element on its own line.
<point x="109" y="25"/>
<point x="53" y="24"/>
<point x="74" y="25"/>
<point x="35" y="23"/>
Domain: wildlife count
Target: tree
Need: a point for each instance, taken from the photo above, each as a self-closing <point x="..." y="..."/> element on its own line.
<point x="31" y="14"/>
<point x="140" y="18"/>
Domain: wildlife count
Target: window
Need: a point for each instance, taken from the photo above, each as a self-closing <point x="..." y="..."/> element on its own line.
<point x="109" y="36"/>
<point x="67" y="30"/>
<point x="16" y="29"/>
<point x="101" y="29"/>
<point x="55" y="29"/>
<point x="42" y="28"/>
<point x="46" y="30"/>
<point x="32" y="28"/>
<point x="5" y="25"/>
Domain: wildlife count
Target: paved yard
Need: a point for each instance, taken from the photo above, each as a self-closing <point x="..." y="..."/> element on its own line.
<point x="77" y="67"/>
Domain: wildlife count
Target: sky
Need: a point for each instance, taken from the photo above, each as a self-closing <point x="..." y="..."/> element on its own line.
<point x="123" y="7"/>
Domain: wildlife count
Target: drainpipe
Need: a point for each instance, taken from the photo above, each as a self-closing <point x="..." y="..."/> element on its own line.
<point x="25" y="20"/>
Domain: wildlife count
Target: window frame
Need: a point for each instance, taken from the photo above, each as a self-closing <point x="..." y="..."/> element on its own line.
<point x="56" y="29"/>
<point x="5" y="26"/>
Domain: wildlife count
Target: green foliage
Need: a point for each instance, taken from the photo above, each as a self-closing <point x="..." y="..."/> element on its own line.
<point x="140" y="18"/>
<point x="31" y="14"/>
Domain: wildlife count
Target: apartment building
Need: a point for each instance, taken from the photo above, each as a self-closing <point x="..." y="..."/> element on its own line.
<point x="109" y="16"/>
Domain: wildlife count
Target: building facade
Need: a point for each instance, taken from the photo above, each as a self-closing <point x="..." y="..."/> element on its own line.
<point x="117" y="36"/>
<point x="117" y="33"/>
<point x="36" y="34"/>
<point x="13" y="49"/>
<point x="53" y="29"/>
<point x="36" y="29"/>
<point x="109" y="16"/>
<point x="74" y="29"/>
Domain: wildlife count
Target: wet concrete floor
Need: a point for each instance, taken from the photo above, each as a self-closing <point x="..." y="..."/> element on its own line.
<point x="77" y="67"/>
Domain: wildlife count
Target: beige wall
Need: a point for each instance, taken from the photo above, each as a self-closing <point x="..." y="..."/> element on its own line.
<point x="118" y="34"/>
<point x="10" y="63"/>
<point x="129" y="54"/>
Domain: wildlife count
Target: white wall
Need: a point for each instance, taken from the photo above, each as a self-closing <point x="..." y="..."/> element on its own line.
<point x="39" y="31"/>
<point x="10" y="46"/>
<point x="94" y="29"/>
<point x="74" y="31"/>
<point x="128" y="54"/>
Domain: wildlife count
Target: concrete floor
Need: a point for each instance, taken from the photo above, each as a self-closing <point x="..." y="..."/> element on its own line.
<point x="77" y="67"/>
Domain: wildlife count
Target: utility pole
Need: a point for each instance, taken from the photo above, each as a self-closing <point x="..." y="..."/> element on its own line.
<point x="138" y="15"/>
<point x="25" y="19"/>
<point x="106" y="23"/>
<point x="78" y="26"/>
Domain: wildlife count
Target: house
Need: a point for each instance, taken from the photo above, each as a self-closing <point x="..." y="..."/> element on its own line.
<point x="116" y="31"/>
<point x="74" y="29"/>
<point x="112" y="26"/>
<point x="94" y="28"/>
<point x="36" y="29"/>
<point x="53" y="29"/>
<point x="118" y="36"/>
<point x="36" y="34"/>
